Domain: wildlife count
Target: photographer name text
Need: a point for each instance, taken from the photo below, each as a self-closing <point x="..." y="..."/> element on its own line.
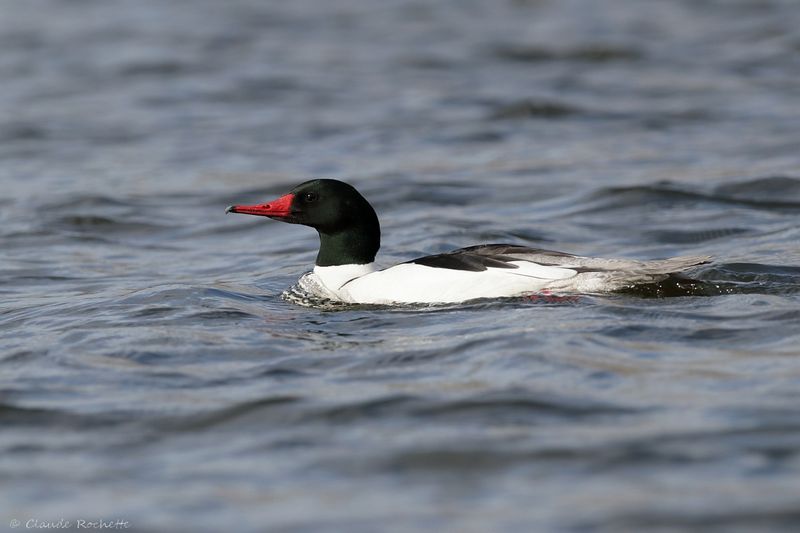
<point x="35" y="523"/>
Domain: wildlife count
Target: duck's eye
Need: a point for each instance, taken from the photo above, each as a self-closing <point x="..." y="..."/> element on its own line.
<point x="310" y="197"/>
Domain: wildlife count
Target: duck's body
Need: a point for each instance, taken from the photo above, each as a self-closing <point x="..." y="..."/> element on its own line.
<point x="350" y="237"/>
<point x="486" y="271"/>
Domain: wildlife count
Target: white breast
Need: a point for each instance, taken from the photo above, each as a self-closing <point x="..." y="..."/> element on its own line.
<point x="333" y="277"/>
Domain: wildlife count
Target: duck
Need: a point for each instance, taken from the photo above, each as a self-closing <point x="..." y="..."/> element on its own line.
<point x="350" y="237"/>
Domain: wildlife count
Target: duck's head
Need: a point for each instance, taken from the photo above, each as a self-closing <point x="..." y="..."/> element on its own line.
<point x="347" y="224"/>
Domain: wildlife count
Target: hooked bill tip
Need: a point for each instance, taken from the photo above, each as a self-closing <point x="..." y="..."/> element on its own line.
<point x="230" y="209"/>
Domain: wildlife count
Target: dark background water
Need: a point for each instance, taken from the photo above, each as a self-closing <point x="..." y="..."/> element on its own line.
<point x="151" y="372"/>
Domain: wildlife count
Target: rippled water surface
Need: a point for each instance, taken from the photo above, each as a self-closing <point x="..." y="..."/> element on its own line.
<point x="151" y="372"/>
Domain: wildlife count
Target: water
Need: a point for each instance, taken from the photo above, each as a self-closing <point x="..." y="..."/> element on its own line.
<point x="150" y="371"/>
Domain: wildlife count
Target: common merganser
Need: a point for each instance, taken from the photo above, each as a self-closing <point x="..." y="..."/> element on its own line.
<point x="350" y="236"/>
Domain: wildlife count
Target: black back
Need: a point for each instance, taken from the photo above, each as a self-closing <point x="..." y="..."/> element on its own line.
<point x="480" y="257"/>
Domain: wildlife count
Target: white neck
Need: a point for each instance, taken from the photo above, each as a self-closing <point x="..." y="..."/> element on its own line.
<point x="334" y="277"/>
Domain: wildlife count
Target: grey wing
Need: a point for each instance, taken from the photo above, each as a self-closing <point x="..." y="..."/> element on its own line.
<point x="512" y="252"/>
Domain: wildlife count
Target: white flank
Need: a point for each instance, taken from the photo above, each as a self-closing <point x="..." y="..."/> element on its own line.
<point x="415" y="283"/>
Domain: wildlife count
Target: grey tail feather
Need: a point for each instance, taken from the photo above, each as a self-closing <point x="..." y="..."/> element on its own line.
<point x="675" y="264"/>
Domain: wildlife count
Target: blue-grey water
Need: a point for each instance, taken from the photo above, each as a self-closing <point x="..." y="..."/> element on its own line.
<point x="150" y="371"/>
